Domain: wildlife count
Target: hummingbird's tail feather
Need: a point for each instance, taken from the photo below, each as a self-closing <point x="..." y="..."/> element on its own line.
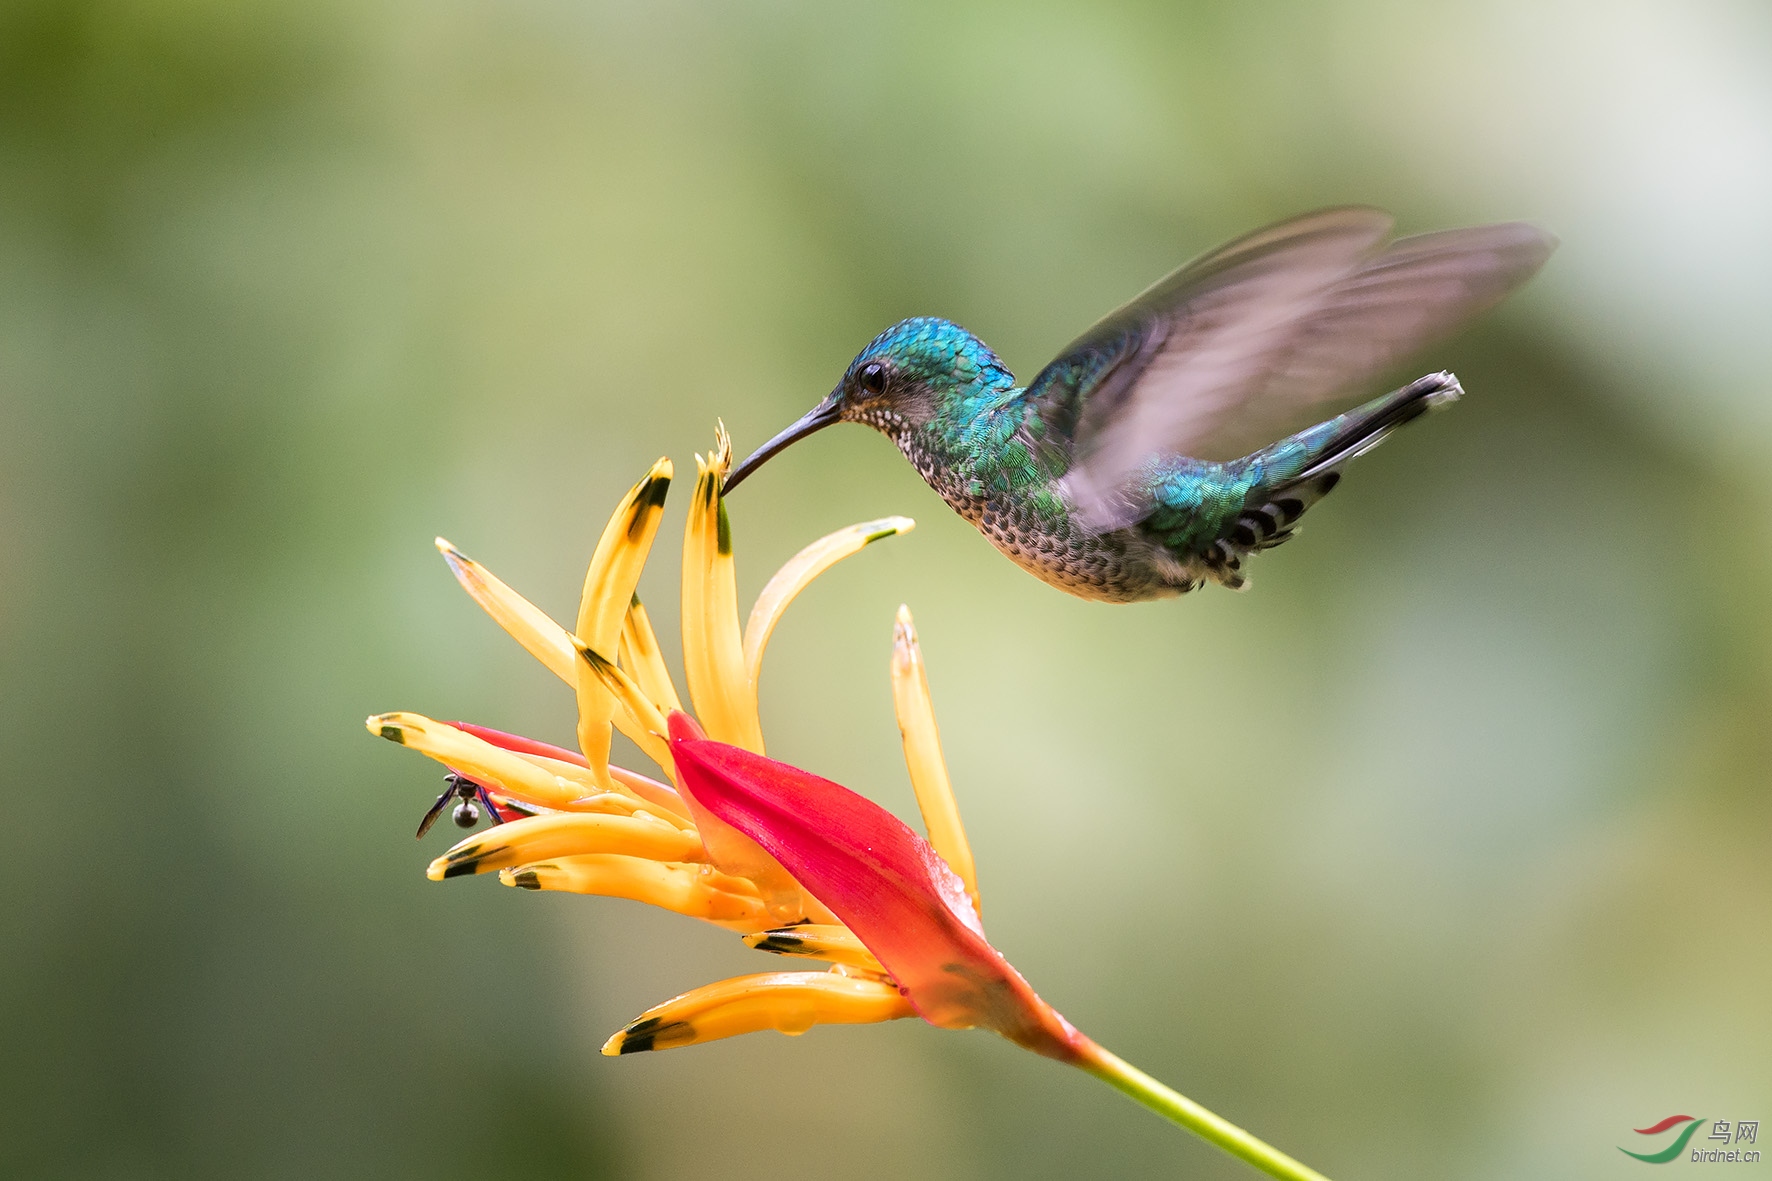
<point x="1365" y="427"/>
<point x="1307" y="467"/>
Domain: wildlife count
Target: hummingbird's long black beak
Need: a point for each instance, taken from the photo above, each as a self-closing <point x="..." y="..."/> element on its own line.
<point x="820" y="416"/>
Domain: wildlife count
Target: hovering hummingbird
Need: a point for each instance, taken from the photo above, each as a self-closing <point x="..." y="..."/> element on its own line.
<point x="1140" y="463"/>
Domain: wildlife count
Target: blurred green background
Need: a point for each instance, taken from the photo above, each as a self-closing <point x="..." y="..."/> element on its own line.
<point x="1444" y="852"/>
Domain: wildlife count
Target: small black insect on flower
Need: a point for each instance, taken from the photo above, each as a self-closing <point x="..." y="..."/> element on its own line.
<point x="467" y="813"/>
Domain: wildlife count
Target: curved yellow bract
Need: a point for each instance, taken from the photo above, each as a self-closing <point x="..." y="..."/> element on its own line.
<point x="592" y="828"/>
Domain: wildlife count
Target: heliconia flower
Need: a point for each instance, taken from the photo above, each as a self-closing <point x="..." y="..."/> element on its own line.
<point x="569" y="820"/>
<point x="796" y="864"/>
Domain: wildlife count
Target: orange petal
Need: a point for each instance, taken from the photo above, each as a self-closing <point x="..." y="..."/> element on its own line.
<point x="528" y="624"/>
<point x="699" y="891"/>
<point x="649" y="726"/>
<point x="922" y="755"/>
<point x="641" y="655"/>
<point x="818" y="941"/>
<point x="613" y="574"/>
<point x="566" y="834"/>
<point x="478" y="759"/>
<point x="713" y="657"/>
<point x="798" y="574"/>
<point x="791" y="1002"/>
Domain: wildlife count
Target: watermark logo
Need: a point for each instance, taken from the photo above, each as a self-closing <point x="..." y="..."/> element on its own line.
<point x="1728" y="1132"/>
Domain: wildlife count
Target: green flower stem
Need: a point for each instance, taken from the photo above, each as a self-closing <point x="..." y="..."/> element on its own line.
<point x="1120" y="1074"/>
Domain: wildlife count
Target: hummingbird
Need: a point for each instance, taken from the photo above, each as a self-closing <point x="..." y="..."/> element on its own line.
<point x="1141" y="463"/>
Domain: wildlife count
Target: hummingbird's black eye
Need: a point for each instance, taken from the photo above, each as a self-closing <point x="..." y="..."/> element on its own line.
<point x="871" y="377"/>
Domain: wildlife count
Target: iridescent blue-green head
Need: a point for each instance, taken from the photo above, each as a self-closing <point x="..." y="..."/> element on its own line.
<point x="909" y="374"/>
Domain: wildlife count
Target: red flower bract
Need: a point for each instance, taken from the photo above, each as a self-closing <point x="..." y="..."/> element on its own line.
<point x="522" y="745"/>
<point x="882" y="880"/>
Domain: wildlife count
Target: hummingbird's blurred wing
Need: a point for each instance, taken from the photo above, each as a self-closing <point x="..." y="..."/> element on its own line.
<point x="1243" y="345"/>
